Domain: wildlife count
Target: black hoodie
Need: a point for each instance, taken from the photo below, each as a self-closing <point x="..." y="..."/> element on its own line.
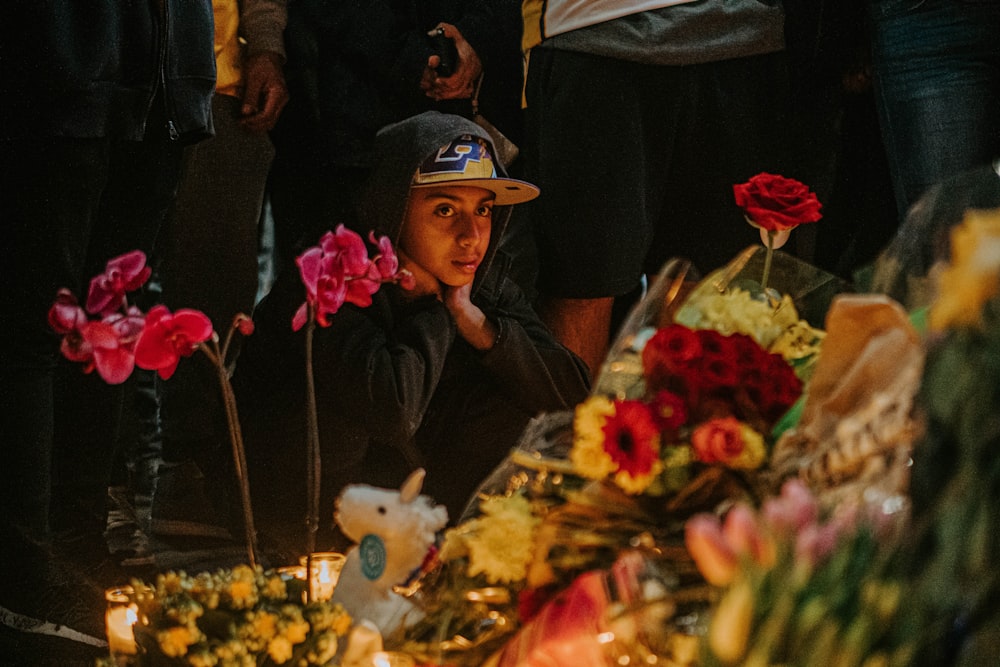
<point x="397" y="387"/>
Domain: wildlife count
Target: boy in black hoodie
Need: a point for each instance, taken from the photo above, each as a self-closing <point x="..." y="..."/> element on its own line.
<point x="444" y="376"/>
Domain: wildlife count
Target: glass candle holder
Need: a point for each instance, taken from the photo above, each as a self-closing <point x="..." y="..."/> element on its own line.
<point x="391" y="659"/>
<point x="122" y="614"/>
<point x="324" y="571"/>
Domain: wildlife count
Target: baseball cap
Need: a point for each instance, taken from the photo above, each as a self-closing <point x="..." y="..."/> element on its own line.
<point x="467" y="161"/>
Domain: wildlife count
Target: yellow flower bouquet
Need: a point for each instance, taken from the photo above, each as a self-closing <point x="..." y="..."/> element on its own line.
<point x="241" y="616"/>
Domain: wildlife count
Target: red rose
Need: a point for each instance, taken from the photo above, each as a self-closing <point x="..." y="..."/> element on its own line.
<point x="673" y="351"/>
<point x="718" y="440"/>
<point x="776" y="203"/>
<point x="669" y="410"/>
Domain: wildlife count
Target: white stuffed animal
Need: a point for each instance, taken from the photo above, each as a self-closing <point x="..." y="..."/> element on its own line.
<point x="394" y="530"/>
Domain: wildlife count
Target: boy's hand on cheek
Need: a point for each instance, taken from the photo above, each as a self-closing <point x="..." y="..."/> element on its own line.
<point x="470" y="320"/>
<point x="425" y="283"/>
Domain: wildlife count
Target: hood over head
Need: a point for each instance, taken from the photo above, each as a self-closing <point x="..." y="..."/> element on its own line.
<point x="419" y="152"/>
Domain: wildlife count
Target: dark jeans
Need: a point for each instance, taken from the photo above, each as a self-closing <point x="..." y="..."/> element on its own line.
<point x="68" y="206"/>
<point x="208" y="261"/>
<point x="937" y="82"/>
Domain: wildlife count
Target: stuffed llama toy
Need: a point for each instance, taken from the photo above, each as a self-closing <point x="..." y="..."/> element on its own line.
<point x="393" y="532"/>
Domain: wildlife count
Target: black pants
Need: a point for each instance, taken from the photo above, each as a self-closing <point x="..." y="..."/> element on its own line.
<point x="68" y="205"/>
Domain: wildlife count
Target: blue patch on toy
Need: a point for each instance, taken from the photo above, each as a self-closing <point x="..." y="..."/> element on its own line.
<point x="371" y="552"/>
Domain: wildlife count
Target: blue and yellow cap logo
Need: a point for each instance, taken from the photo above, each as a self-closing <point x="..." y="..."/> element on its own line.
<point x="467" y="161"/>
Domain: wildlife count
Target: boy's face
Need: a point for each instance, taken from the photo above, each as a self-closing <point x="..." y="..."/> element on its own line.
<point x="447" y="230"/>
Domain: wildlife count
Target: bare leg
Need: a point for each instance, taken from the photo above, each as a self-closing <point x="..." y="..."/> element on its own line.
<point x="582" y="325"/>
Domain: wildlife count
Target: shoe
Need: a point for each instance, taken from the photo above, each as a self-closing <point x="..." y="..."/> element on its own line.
<point x="182" y="507"/>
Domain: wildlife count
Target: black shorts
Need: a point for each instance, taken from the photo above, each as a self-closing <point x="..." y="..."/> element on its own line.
<point x="636" y="163"/>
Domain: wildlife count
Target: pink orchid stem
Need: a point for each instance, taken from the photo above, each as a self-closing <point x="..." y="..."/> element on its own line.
<point x="313" y="450"/>
<point x="236" y="439"/>
<point x="767" y="261"/>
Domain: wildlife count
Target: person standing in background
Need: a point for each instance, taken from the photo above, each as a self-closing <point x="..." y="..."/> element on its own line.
<point x="99" y="100"/>
<point x="208" y="255"/>
<point x="677" y="100"/>
<point x="358" y="65"/>
<point x="936" y="68"/>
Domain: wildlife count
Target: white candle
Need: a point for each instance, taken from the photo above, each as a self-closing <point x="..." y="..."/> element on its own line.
<point x="391" y="659"/>
<point x="324" y="571"/>
<point x="122" y="614"/>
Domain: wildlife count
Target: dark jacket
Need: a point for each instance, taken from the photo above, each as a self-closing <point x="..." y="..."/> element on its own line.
<point x="91" y="68"/>
<point x="397" y="387"/>
<point x="354" y="66"/>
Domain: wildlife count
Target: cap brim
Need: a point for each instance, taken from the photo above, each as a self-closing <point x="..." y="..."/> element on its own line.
<point x="507" y="190"/>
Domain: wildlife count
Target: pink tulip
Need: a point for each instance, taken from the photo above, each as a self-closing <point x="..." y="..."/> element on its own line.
<point x="122" y="274"/>
<point x="715" y="559"/>
<point x="794" y="509"/>
<point x="168" y="337"/>
<point x="745" y="536"/>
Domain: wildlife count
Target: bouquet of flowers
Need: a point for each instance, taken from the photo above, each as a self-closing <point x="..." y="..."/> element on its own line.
<point x="799" y="586"/>
<point x="242" y="616"/>
<point x="681" y="420"/>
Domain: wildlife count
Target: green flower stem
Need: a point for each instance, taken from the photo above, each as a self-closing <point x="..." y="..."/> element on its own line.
<point x="313" y="450"/>
<point x="239" y="451"/>
<point x="767" y="261"/>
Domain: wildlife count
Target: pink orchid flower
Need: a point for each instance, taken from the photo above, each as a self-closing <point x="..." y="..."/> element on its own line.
<point x="339" y="271"/>
<point x="348" y="246"/>
<point x="386" y="262"/>
<point x="169" y="336"/>
<point x="112" y="354"/>
<point x="326" y="287"/>
<point x="66" y="315"/>
<point x="122" y="274"/>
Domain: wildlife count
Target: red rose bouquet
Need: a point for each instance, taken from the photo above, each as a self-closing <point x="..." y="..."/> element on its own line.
<point x="708" y="400"/>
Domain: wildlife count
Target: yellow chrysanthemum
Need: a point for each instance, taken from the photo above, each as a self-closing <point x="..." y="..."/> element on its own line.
<point x="295" y="629"/>
<point x="275" y="588"/>
<point x="265" y="624"/>
<point x="973" y="277"/>
<point x="280" y="650"/>
<point x="588" y="455"/>
<point x="499" y="541"/>
<point x="202" y="658"/>
<point x="342" y="623"/>
<point x="453" y="545"/>
<point x="174" y="642"/>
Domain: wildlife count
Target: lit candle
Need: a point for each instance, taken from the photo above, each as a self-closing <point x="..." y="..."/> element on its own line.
<point x="122" y="614"/>
<point x="391" y="659"/>
<point x="324" y="571"/>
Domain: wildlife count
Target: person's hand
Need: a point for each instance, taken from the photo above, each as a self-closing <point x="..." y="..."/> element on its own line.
<point x="265" y="93"/>
<point x="471" y="322"/>
<point x="461" y="84"/>
<point x="425" y="284"/>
